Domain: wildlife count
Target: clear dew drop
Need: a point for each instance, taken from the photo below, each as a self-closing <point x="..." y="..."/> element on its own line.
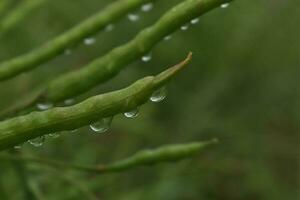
<point x="147" y="7"/>
<point x="68" y="52"/>
<point x="19" y="146"/>
<point x="195" y="21"/>
<point x="44" y="106"/>
<point x="147" y="57"/>
<point x="133" y="17"/>
<point x="69" y="102"/>
<point x="89" y="41"/>
<point x="37" y="142"/>
<point x="224" y="5"/>
<point x="109" y="28"/>
<point x="53" y="135"/>
<point x="132" y="113"/>
<point x="102" y="125"/>
<point x="168" y="37"/>
<point x="184" y="27"/>
<point x="159" y="95"/>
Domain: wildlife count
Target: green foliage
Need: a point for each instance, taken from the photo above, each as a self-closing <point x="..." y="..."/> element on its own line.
<point x="242" y="87"/>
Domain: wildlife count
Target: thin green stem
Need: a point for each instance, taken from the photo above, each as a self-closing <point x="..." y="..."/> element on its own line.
<point x="104" y="68"/>
<point x="166" y="153"/>
<point x="20" y="129"/>
<point x="51" y="49"/>
<point x="22" y="10"/>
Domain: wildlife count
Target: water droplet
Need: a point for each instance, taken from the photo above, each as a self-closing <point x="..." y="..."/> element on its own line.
<point x="168" y="37"/>
<point x="133" y="17"/>
<point x="44" y="106"/>
<point x="89" y="41"/>
<point x="184" y="27"/>
<point x="69" y="102"/>
<point x="37" y="142"/>
<point x="147" y="7"/>
<point x="53" y="135"/>
<point x="224" y="5"/>
<point x="19" y="146"/>
<point x="195" y="21"/>
<point x="132" y="113"/>
<point x="159" y="95"/>
<point x="68" y="52"/>
<point x="102" y="125"/>
<point x="147" y="57"/>
<point x="109" y="28"/>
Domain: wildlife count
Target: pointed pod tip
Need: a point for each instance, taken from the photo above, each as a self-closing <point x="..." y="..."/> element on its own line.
<point x="166" y="75"/>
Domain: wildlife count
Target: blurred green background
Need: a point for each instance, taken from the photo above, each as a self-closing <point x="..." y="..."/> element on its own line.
<point x="242" y="87"/>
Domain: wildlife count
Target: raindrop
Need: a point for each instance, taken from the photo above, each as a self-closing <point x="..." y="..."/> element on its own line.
<point x="53" y="135"/>
<point x="224" y="5"/>
<point x="89" y="41"/>
<point x="195" y="21"/>
<point x="159" y="95"/>
<point x="147" y="7"/>
<point x="37" y="142"/>
<point x="69" y="102"/>
<point x="132" y="113"/>
<point x="109" y="28"/>
<point x="133" y="17"/>
<point x="168" y="37"/>
<point x="68" y="52"/>
<point x="19" y="146"/>
<point x="184" y="27"/>
<point x="44" y="106"/>
<point x="102" y="125"/>
<point x="147" y="57"/>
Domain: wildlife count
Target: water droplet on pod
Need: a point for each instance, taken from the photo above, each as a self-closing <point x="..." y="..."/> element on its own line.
<point x="147" y="7"/>
<point x="168" y="37"/>
<point x="68" y="52"/>
<point x="89" y="41"/>
<point x="69" y="102"/>
<point x="159" y="95"/>
<point x="53" y="135"/>
<point x="37" y="142"/>
<point x="184" y="27"/>
<point x="132" y="113"/>
<point x="133" y="17"/>
<point x="195" y="21"/>
<point x="44" y="106"/>
<point x="224" y="5"/>
<point x="102" y="125"/>
<point x="19" y="146"/>
<point x="147" y="57"/>
<point x="109" y="28"/>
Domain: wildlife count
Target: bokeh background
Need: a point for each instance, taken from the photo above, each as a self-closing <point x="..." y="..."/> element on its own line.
<point x="242" y="87"/>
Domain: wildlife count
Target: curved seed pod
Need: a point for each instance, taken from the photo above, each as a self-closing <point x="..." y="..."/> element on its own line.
<point x="20" y="12"/>
<point x="104" y="68"/>
<point x="166" y="153"/>
<point x="56" y="46"/>
<point x="23" y="128"/>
